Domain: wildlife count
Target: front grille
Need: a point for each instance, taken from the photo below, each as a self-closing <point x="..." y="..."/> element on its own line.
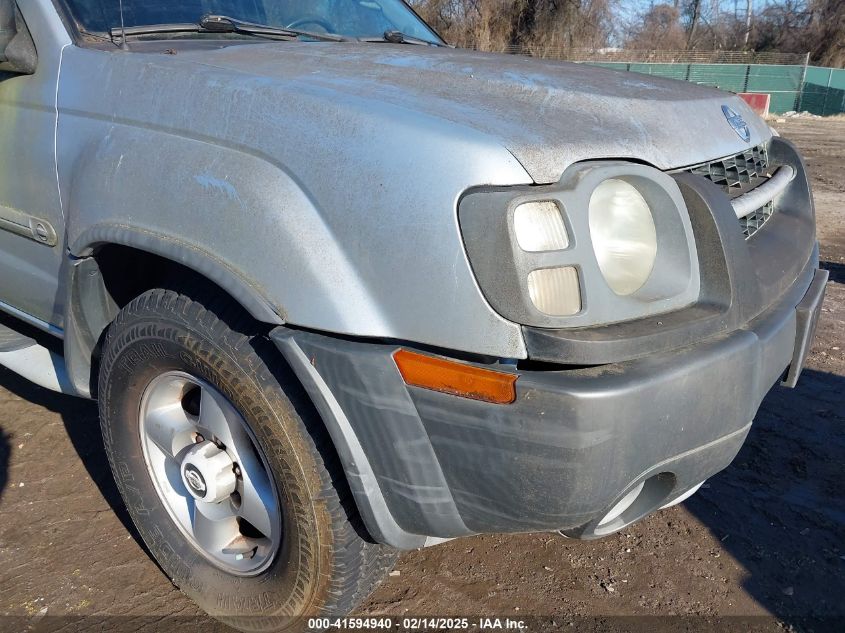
<point x="736" y="174"/>
<point x="739" y="174"/>
<point x="750" y="224"/>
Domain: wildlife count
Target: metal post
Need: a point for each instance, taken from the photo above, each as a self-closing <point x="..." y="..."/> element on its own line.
<point x="801" y="85"/>
<point x="748" y="10"/>
<point x="827" y="92"/>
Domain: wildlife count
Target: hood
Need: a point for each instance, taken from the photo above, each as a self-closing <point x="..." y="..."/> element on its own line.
<point x="547" y="114"/>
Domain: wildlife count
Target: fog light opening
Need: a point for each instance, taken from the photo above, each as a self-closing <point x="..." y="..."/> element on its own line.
<point x="645" y="497"/>
<point x="683" y="497"/>
<point x="624" y="503"/>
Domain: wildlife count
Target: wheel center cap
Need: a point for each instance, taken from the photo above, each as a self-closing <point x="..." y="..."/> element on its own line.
<point x="208" y="474"/>
<point x="195" y="481"/>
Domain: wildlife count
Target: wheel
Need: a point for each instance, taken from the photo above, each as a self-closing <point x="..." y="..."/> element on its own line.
<point x="226" y="469"/>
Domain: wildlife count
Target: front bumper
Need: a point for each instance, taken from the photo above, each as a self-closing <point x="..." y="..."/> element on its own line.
<point x="425" y="465"/>
<point x="650" y="407"/>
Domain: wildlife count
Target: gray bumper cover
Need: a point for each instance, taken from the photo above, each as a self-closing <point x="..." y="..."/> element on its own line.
<point x="425" y="465"/>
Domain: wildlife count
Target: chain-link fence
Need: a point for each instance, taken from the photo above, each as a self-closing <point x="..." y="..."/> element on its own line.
<point x="653" y="57"/>
<point x="823" y="91"/>
<point x="783" y="83"/>
<point x="817" y="90"/>
<point x="792" y="83"/>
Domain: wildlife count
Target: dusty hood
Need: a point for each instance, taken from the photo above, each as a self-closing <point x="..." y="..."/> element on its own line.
<point x="547" y="114"/>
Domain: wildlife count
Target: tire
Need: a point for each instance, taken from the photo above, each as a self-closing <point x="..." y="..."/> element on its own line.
<point x="325" y="564"/>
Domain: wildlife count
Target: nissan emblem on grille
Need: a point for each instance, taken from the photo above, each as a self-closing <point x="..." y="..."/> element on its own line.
<point x="737" y="123"/>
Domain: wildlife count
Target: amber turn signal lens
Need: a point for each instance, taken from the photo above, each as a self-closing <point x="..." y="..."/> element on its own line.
<point x="454" y="378"/>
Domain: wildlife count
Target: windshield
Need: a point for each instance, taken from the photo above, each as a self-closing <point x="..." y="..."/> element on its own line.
<point x="350" y="18"/>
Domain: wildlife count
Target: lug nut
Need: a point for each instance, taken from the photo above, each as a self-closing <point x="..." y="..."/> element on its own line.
<point x="246" y="555"/>
<point x="237" y="470"/>
<point x="199" y="439"/>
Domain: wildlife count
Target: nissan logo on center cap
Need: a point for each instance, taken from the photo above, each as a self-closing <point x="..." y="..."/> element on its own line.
<point x="195" y="480"/>
<point x="737" y="123"/>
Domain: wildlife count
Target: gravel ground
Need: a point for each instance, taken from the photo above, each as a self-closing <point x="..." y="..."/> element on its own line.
<point x="760" y="547"/>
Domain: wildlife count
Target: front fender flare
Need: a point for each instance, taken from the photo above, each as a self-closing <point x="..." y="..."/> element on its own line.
<point x="184" y="253"/>
<point x="90" y="308"/>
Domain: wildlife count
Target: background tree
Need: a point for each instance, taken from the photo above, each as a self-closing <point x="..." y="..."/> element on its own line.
<point x="658" y="29"/>
<point x="551" y="28"/>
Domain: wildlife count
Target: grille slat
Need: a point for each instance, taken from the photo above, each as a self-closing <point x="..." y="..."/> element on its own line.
<point x="752" y="223"/>
<point x="739" y="174"/>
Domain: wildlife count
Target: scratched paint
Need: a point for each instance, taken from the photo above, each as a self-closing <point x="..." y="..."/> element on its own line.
<point x="217" y="185"/>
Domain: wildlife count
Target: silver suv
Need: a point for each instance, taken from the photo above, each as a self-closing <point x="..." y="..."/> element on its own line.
<point x="342" y="290"/>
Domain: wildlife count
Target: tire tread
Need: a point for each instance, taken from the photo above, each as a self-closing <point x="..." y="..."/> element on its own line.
<point x="358" y="564"/>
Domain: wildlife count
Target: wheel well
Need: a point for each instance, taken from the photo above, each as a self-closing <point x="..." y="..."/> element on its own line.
<point x="128" y="272"/>
<point x="122" y="273"/>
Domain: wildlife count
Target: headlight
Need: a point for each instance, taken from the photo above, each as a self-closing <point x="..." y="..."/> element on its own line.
<point x="555" y="291"/>
<point x="623" y="235"/>
<point x="539" y="227"/>
<point x="611" y="242"/>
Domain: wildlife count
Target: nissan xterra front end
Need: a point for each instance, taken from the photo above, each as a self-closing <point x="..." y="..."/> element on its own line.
<point x="341" y="290"/>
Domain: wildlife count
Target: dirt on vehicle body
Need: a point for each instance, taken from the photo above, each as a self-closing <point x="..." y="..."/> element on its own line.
<point x="552" y="303"/>
<point x="762" y="539"/>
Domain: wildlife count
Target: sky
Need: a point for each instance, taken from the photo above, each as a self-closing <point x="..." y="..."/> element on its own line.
<point x="633" y="6"/>
<point x="629" y="9"/>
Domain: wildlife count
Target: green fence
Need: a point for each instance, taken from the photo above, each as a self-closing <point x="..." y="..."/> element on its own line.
<point x="824" y="90"/>
<point x="792" y="87"/>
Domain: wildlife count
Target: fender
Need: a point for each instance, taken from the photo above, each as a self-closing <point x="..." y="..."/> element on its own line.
<point x="276" y="179"/>
<point x="215" y="210"/>
<point x="231" y="215"/>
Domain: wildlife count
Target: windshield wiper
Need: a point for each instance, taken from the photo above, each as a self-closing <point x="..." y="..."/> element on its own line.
<point x="398" y="37"/>
<point x="222" y="24"/>
<point x="226" y="24"/>
<point x="153" y="29"/>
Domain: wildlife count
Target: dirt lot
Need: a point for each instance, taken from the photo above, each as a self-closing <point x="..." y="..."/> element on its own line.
<point x="764" y="538"/>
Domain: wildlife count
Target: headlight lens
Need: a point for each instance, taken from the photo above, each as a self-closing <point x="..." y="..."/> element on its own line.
<point x="610" y="242"/>
<point x="623" y="235"/>
<point x="539" y="227"/>
<point x="555" y="291"/>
